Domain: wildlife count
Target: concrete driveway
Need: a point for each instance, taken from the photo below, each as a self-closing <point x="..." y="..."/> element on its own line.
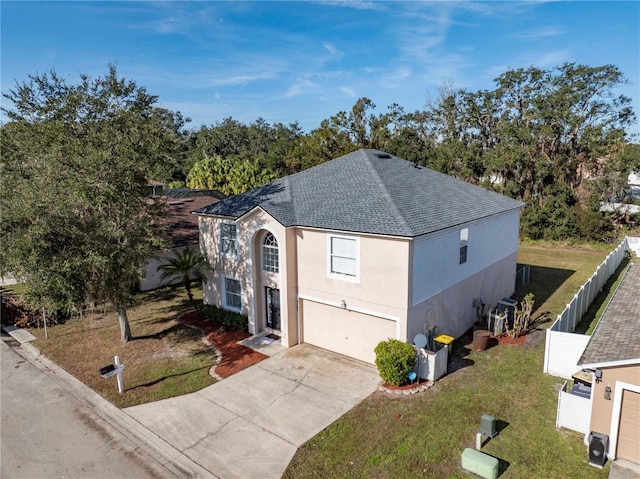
<point x="251" y="424"/>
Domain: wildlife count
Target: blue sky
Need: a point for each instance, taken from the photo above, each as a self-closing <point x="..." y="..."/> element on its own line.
<point x="304" y="62"/>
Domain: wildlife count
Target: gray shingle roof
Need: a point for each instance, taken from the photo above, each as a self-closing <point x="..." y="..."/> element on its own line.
<point x="368" y="191"/>
<point x="617" y="334"/>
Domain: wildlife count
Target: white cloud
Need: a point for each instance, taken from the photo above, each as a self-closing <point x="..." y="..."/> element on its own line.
<point x="543" y="32"/>
<point x="348" y="91"/>
<point x="334" y="53"/>
<point x="549" y="59"/>
<point x="392" y="78"/>
<point x="354" y="4"/>
<point x="299" y="88"/>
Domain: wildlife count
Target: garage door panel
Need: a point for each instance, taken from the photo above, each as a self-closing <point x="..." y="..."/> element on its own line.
<point x="629" y="429"/>
<point x="342" y="331"/>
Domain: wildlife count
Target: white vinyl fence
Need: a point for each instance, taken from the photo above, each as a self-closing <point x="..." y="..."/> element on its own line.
<point x="563" y="348"/>
<point x="574" y="412"/>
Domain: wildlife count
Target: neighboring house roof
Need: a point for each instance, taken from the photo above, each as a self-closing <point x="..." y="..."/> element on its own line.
<point x="368" y="191"/>
<point x="192" y="193"/>
<point x="180" y="225"/>
<point x="616" y="339"/>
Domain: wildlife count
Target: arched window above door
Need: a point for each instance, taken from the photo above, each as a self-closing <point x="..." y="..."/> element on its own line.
<point x="270" y="258"/>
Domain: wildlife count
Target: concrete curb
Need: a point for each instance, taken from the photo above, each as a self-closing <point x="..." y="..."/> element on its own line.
<point x="168" y="457"/>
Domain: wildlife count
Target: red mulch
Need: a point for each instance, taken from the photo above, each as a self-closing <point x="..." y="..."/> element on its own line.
<point x="406" y="386"/>
<point x="235" y="357"/>
<point x="509" y="340"/>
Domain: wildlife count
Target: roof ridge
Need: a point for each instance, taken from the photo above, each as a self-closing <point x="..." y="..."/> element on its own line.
<point x="287" y="189"/>
<point x="396" y="210"/>
<point x="397" y="213"/>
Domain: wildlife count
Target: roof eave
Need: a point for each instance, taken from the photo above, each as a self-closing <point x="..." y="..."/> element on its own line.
<point x="610" y="364"/>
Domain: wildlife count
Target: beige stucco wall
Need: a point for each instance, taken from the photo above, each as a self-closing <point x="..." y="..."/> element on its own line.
<point x="453" y="310"/>
<point x="383" y="283"/>
<point x="246" y="267"/>
<point x="602" y="408"/>
<point x="382" y="289"/>
<point x="152" y="273"/>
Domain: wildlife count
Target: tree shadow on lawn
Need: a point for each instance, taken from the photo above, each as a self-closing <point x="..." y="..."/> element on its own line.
<point x="179" y="334"/>
<point x="168" y="293"/>
<point x="159" y="380"/>
<point x="543" y="282"/>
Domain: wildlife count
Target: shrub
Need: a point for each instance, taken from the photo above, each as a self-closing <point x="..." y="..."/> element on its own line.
<point x="522" y="317"/>
<point x="395" y="360"/>
<point x="228" y="318"/>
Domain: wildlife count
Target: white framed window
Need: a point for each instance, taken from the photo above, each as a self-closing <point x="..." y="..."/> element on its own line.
<point x="232" y="294"/>
<point x="343" y="257"/>
<point x="270" y="257"/>
<point x="228" y="239"/>
<point x="464" y="238"/>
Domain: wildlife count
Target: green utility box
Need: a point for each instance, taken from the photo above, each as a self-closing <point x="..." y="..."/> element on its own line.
<point x="480" y="464"/>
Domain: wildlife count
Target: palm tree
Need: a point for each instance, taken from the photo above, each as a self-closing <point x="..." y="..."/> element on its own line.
<point x="188" y="264"/>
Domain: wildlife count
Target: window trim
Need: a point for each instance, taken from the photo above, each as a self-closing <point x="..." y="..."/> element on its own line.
<point x="235" y="253"/>
<point x="264" y="246"/>
<point x="343" y="276"/>
<point x="464" y="243"/>
<point x="225" y="292"/>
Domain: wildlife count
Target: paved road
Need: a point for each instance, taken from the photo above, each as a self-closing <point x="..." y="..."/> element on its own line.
<point x="46" y="432"/>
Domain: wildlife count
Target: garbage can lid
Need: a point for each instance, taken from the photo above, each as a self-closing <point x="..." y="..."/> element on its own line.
<point x="444" y="339"/>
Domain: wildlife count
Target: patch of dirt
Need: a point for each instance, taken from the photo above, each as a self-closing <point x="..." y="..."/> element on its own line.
<point x="234" y="357"/>
<point x="169" y="352"/>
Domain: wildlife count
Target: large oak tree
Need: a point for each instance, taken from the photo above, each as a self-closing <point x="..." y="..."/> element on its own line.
<point x="76" y="223"/>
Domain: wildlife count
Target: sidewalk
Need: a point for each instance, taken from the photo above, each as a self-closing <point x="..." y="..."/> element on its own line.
<point x="621" y="469"/>
<point x="168" y="459"/>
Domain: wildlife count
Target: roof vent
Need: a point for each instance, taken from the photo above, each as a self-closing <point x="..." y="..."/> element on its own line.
<point x="383" y="155"/>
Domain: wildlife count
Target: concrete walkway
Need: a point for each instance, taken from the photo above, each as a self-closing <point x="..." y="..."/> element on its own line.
<point x="251" y="424"/>
<point x="621" y="469"/>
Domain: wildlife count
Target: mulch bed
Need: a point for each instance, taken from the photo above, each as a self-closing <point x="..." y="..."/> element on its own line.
<point x="234" y="357"/>
<point x="509" y="340"/>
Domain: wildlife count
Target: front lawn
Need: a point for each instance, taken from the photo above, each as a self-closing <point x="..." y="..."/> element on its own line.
<point x="165" y="358"/>
<point x="424" y="434"/>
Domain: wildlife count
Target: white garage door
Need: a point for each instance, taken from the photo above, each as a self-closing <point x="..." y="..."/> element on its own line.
<point x="345" y="332"/>
<point x="629" y="431"/>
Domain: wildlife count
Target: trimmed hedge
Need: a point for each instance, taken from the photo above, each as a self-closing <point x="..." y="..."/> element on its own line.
<point x="228" y="318"/>
<point x="395" y="360"/>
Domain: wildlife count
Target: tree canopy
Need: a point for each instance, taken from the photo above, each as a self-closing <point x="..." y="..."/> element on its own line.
<point x="77" y="225"/>
<point x="76" y="156"/>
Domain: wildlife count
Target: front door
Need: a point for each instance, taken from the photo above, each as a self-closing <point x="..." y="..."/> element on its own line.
<point x="273" y="308"/>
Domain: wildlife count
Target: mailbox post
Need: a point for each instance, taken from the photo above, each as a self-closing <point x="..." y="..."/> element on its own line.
<point x="110" y="370"/>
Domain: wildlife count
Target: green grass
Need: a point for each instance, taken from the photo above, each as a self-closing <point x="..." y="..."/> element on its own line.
<point x="588" y="322"/>
<point x="165" y="359"/>
<point x="424" y="434"/>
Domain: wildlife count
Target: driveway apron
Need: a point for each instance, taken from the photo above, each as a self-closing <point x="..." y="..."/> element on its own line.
<point x="251" y="424"/>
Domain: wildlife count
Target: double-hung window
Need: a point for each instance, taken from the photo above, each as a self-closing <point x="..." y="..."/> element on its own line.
<point x="228" y="239"/>
<point x="344" y="257"/>
<point x="464" y="238"/>
<point x="232" y="294"/>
